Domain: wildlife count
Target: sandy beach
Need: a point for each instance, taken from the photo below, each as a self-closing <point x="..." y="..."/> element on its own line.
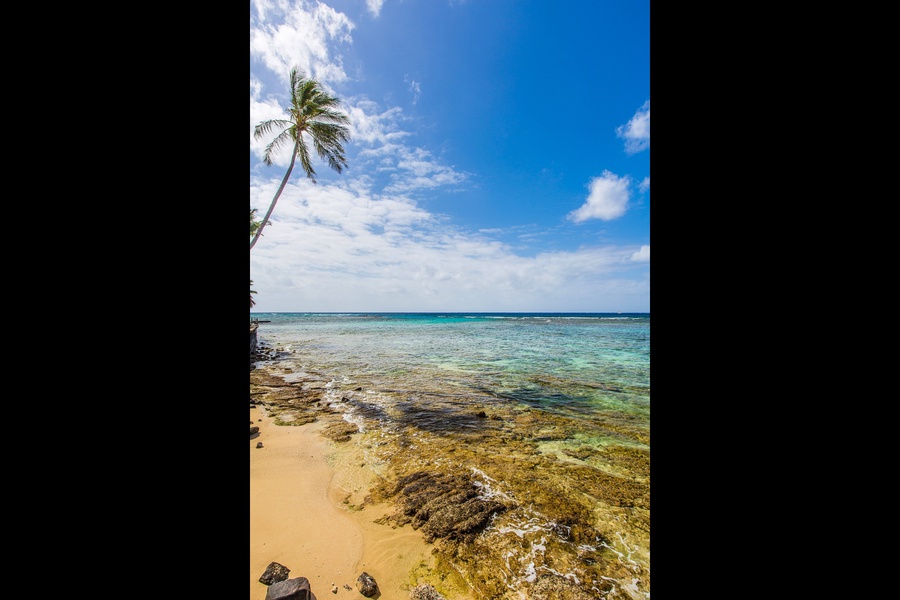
<point x="304" y="496"/>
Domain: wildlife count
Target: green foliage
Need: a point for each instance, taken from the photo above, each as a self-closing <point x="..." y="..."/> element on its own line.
<point x="254" y="222"/>
<point x="312" y="113"/>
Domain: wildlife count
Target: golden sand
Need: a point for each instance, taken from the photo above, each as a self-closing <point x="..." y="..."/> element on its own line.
<point x="305" y="499"/>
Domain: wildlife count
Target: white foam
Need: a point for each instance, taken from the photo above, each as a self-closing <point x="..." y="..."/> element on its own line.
<point x="488" y="487"/>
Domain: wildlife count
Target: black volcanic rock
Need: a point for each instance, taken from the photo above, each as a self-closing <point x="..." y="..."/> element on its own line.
<point x="366" y="585"/>
<point x="274" y="573"/>
<point x="290" y="589"/>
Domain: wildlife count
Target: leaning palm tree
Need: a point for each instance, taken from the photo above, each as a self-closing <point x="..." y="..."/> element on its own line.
<point x="312" y="112"/>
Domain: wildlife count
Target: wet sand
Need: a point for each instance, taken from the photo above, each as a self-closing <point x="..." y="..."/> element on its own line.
<point x="308" y="513"/>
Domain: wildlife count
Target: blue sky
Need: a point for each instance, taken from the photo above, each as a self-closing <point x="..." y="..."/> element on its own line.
<point x="499" y="156"/>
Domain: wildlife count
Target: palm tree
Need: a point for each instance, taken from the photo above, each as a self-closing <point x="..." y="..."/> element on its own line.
<point x="312" y="112"/>
<point x="254" y="224"/>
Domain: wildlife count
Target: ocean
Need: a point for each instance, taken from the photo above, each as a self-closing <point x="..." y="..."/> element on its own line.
<point x="546" y="414"/>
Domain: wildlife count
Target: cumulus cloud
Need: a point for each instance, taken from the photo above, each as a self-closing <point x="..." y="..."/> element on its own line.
<point x="303" y="39"/>
<point x="642" y="255"/>
<point x="607" y="200"/>
<point x="636" y="132"/>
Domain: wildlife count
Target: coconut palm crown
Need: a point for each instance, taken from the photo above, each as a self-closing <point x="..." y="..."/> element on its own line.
<point x="313" y="113"/>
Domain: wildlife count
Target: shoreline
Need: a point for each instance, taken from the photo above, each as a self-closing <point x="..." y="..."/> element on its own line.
<point x="308" y="513"/>
<point x="511" y="502"/>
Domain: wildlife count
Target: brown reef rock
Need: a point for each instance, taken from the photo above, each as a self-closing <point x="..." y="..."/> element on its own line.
<point x="444" y="506"/>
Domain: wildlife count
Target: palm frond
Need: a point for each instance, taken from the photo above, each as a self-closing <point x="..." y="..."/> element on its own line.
<point x="305" y="162"/>
<point x="263" y="129"/>
<point x="314" y="111"/>
<point x="285" y="138"/>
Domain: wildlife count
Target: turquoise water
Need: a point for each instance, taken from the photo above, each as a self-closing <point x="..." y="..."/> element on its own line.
<point x="569" y="399"/>
<point x="558" y="362"/>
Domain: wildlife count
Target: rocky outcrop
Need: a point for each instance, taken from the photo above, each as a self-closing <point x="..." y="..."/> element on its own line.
<point x="444" y="506"/>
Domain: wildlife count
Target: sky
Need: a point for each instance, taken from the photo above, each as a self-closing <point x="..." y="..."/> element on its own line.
<point x="499" y="156"/>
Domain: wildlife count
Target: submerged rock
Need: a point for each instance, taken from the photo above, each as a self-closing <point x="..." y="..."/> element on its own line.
<point x="553" y="587"/>
<point x="425" y="591"/>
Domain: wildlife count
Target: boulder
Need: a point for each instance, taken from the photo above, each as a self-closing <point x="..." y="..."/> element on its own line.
<point x="366" y="585"/>
<point x="274" y="573"/>
<point x="290" y="589"/>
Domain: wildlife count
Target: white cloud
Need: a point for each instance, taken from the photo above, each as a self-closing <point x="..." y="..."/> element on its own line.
<point x="636" y="132"/>
<point x="374" y="6"/>
<point x="417" y="169"/>
<point x="414" y="87"/>
<point x="376" y="148"/>
<point x="301" y="40"/>
<point x="336" y="248"/>
<point x="642" y="255"/>
<point x="372" y="128"/>
<point x="644" y="185"/>
<point x="608" y="199"/>
<point x="410" y="168"/>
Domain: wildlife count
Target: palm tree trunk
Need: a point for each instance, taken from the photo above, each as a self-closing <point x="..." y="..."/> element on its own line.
<point x="277" y="195"/>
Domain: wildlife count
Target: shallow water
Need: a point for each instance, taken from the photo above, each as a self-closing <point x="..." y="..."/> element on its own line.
<point x="549" y="414"/>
